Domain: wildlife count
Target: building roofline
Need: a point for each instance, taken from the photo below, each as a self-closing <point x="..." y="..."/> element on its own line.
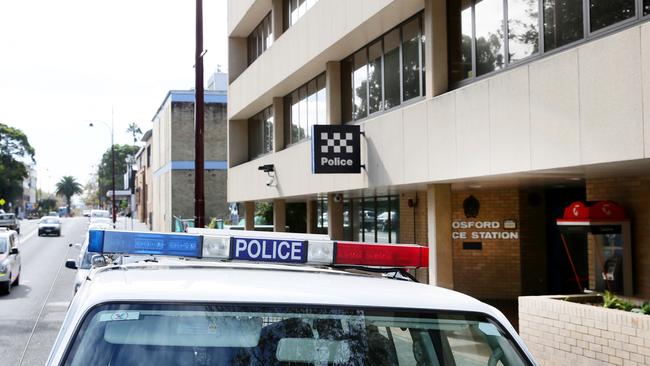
<point x="209" y="96"/>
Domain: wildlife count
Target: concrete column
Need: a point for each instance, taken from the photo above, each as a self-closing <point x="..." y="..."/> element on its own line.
<point x="333" y="87"/>
<point x="278" y="124"/>
<point x="279" y="215"/>
<point x="435" y="47"/>
<point x="249" y="211"/>
<point x="277" y="17"/>
<point x="334" y="217"/>
<point x="237" y="142"/>
<point x="439" y="227"/>
<point x="312" y="217"/>
<point x="237" y="57"/>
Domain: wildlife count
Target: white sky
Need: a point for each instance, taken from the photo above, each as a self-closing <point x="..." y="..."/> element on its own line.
<point x="64" y="63"/>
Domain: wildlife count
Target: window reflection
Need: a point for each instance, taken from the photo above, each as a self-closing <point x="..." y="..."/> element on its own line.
<point x="411" y="59"/>
<point x="295" y="9"/>
<point x="360" y="85"/>
<point x="260" y="39"/>
<point x="460" y="40"/>
<point x="523" y="28"/>
<point x="391" y="69"/>
<point x="562" y="23"/>
<point x="374" y="77"/>
<point x="646" y="7"/>
<point x="260" y="133"/>
<point x="371" y="219"/>
<point x="489" y="36"/>
<point x="305" y="107"/>
<point x="603" y="13"/>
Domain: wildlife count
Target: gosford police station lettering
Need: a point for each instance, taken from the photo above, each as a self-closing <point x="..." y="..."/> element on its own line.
<point x="260" y="249"/>
<point x="336" y="162"/>
<point x="496" y="232"/>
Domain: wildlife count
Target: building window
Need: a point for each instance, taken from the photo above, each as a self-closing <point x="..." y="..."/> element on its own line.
<point x="321" y="216"/>
<point x="304" y="107"/>
<point x="260" y="133"/>
<point x="385" y="73"/>
<point x="371" y="219"/>
<point x="260" y="39"/>
<point x="148" y="156"/>
<point x="294" y="10"/>
<point x="488" y="35"/>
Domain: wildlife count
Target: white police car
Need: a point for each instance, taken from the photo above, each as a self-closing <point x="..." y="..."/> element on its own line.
<point x="200" y="301"/>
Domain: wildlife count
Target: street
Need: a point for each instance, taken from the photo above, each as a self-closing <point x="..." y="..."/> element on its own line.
<point x="33" y="312"/>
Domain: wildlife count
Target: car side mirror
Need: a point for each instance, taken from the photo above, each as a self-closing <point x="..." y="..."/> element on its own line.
<point x="71" y="263"/>
<point x="76" y="245"/>
<point x="14" y="251"/>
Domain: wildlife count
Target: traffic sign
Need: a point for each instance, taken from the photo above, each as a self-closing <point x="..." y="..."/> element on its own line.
<point x="2" y="201"/>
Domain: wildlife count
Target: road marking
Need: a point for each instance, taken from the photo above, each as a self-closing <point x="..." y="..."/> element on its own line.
<point x="40" y="313"/>
<point x="29" y="236"/>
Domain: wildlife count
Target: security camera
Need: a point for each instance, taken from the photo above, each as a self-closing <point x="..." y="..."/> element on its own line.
<point x="338" y="197"/>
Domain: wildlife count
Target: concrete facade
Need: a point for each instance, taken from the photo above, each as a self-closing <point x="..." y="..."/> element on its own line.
<point x="173" y="158"/>
<point x="522" y="140"/>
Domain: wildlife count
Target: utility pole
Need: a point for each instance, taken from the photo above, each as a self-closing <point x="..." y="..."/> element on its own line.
<point x="199" y="161"/>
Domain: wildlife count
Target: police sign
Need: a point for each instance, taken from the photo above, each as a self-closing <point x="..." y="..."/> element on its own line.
<point x="336" y="149"/>
<point x="268" y="250"/>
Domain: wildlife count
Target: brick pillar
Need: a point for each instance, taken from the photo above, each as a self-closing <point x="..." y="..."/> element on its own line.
<point x="249" y="212"/>
<point x="279" y="215"/>
<point x="334" y="217"/>
<point x="439" y="214"/>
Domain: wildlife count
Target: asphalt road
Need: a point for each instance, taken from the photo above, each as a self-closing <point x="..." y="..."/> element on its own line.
<point x="33" y="312"/>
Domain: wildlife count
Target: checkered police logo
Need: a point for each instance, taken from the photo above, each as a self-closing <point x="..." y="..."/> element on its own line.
<point x="337" y="142"/>
<point x="336" y="149"/>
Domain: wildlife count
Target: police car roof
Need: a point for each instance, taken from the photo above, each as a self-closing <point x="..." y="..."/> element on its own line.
<point x="229" y="282"/>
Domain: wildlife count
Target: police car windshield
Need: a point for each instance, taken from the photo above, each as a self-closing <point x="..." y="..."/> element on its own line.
<point x="3" y="245"/>
<point x="160" y="334"/>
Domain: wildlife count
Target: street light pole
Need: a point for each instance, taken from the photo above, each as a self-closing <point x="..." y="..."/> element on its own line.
<point x="199" y="162"/>
<point x="113" y="167"/>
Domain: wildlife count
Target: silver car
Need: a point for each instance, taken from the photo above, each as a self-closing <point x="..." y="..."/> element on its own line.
<point x="49" y="225"/>
<point x="9" y="260"/>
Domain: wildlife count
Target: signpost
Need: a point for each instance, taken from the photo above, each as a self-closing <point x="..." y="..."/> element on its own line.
<point x="336" y="149"/>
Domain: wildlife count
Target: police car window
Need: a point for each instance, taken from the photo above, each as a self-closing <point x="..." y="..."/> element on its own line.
<point x="3" y="245"/>
<point x="160" y="334"/>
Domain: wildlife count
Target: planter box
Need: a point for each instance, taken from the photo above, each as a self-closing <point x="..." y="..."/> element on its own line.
<point x="561" y="332"/>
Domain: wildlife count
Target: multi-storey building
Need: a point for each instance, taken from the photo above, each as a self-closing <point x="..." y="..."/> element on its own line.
<point x="483" y="120"/>
<point x="172" y="160"/>
<point x="143" y="192"/>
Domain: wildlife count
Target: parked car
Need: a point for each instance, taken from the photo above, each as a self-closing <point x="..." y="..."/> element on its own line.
<point x="49" y="225"/>
<point x="9" y="260"/>
<point x="10" y="221"/>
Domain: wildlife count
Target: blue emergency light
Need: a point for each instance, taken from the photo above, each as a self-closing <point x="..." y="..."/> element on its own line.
<point x="125" y="242"/>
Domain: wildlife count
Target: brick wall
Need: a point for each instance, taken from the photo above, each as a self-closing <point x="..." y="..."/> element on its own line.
<point x="566" y="333"/>
<point x="634" y="195"/>
<point x="493" y="272"/>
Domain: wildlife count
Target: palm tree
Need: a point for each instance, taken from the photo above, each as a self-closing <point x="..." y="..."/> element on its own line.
<point x="134" y="130"/>
<point x="68" y="187"/>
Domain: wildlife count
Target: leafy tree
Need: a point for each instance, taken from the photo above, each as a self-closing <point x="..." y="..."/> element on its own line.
<point x="68" y="187"/>
<point x="105" y="169"/>
<point x="134" y="130"/>
<point x="91" y="195"/>
<point x="46" y="205"/>
<point x="14" y="151"/>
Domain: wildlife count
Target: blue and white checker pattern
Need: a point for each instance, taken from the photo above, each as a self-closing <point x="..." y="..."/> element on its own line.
<point x="336" y="143"/>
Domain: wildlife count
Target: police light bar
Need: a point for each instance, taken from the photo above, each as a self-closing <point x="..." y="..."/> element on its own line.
<point x="259" y="247"/>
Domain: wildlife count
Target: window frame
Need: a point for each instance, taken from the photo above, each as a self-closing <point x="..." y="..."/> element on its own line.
<point x="259" y="38"/>
<point x="380" y="39"/>
<point x="541" y="53"/>
<point x="372" y="203"/>
<point x="261" y="129"/>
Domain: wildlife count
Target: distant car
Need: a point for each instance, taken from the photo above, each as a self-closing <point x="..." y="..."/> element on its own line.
<point x="100" y="220"/>
<point x="53" y="213"/>
<point x="86" y="213"/>
<point x="99" y="213"/>
<point x="9" y="260"/>
<point x="10" y="221"/>
<point x="50" y="225"/>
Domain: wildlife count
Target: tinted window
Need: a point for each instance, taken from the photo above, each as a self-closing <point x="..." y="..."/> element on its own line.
<point x="3" y="245"/>
<point x="603" y="13"/>
<point x="523" y="26"/>
<point x="646" y="7"/>
<point x="411" y="59"/>
<point x="489" y="36"/>
<point x="460" y="39"/>
<point x="260" y="133"/>
<point x="391" y="69"/>
<point x="260" y="38"/>
<point x="563" y="23"/>
<point x="158" y="334"/>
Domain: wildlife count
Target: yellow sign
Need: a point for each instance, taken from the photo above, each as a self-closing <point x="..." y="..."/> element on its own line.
<point x="2" y="201"/>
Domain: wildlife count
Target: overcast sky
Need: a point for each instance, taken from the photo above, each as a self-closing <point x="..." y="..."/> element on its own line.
<point x="66" y="63"/>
